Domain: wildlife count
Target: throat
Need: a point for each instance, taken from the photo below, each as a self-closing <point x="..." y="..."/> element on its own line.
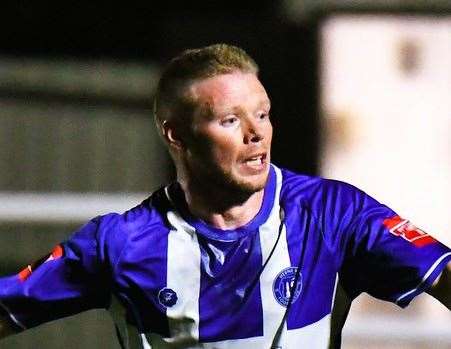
<point x="222" y="213"/>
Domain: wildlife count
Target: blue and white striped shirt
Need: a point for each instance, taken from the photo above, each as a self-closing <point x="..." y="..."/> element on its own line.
<point x="172" y="281"/>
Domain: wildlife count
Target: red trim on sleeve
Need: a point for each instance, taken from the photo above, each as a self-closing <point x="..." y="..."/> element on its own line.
<point x="25" y="273"/>
<point x="403" y="228"/>
<point x="56" y="253"/>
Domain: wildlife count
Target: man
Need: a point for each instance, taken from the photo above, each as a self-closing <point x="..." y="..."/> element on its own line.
<point x="236" y="253"/>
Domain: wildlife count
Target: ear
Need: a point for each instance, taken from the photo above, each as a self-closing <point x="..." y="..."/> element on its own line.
<point x="171" y="134"/>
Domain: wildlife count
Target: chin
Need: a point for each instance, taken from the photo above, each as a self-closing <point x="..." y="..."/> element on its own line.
<point x="249" y="185"/>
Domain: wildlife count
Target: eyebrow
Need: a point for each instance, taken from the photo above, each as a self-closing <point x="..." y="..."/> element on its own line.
<point x="264" y="104"/>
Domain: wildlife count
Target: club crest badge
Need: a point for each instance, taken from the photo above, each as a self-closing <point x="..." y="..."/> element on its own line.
<point x="167" y="297"/>
<point x="287" y="286"/>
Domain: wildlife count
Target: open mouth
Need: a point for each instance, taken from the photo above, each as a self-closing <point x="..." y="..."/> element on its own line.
<point x="256" y="160"/>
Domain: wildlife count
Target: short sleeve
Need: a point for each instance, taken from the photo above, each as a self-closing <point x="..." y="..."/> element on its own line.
<point x="69" y="280"/>
<point x="385" y="255"/>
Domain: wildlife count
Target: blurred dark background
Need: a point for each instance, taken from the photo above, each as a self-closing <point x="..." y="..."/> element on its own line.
<point x="156" y="31"/>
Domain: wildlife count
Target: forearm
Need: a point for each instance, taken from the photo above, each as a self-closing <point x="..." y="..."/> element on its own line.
<point x="441" y="289"/>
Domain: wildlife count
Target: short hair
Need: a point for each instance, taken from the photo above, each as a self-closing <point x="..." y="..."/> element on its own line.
<point x="191" y="65"/>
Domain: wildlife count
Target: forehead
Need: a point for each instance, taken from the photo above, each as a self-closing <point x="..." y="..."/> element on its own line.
<point x="226" y="91"/>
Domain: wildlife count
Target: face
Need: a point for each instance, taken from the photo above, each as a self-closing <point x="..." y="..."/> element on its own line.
<point x="229" y="140"/>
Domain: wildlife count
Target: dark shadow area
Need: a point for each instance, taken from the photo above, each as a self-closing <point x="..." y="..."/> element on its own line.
<point x="285" y="52"/>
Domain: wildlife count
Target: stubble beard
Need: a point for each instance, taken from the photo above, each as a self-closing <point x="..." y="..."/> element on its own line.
<point x="218" y="184"/>
<point x="223" y="185"/>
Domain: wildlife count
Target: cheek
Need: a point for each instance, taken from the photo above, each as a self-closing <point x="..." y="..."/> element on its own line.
<point x="269" y="132"/>
<point x="223" y="143"/>
<point x="218" y="149"/>
<point x="224" y="149"/>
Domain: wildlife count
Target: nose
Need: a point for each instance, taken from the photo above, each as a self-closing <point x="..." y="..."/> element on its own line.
<point x="253" y="133"/>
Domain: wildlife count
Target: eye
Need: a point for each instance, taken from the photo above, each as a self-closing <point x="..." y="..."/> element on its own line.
<point x="229" y="121"/>
<point x="263" y="116"/>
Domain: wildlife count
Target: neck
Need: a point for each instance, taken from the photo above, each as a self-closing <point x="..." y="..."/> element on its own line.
<point x="223" y="209"/>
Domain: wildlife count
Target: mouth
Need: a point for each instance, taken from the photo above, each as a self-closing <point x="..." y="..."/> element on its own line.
<point x="256" y="161"/>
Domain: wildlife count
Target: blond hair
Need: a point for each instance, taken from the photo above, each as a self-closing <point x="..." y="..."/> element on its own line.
<point x="192" y="65"/>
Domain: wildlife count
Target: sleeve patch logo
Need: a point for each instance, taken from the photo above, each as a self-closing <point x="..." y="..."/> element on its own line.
<point x="29" y="269"/>
<point x="403" y="228"/>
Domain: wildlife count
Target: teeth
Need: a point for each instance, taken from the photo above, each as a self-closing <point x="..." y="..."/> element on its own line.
<point x="255" y="161"/>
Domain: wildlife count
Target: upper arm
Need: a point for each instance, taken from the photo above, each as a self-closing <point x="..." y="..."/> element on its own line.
<point x="69" y="280"/>
<point x="441" y="288"/>
<point x="382" y="254"/>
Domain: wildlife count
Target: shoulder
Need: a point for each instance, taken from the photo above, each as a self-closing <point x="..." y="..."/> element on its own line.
<point x="339" y="209"/>
<point x="114" y="230"/>
<point x="314" y="190"/>
<point x="149" y="212"/>
<point x="329" y="200"/>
